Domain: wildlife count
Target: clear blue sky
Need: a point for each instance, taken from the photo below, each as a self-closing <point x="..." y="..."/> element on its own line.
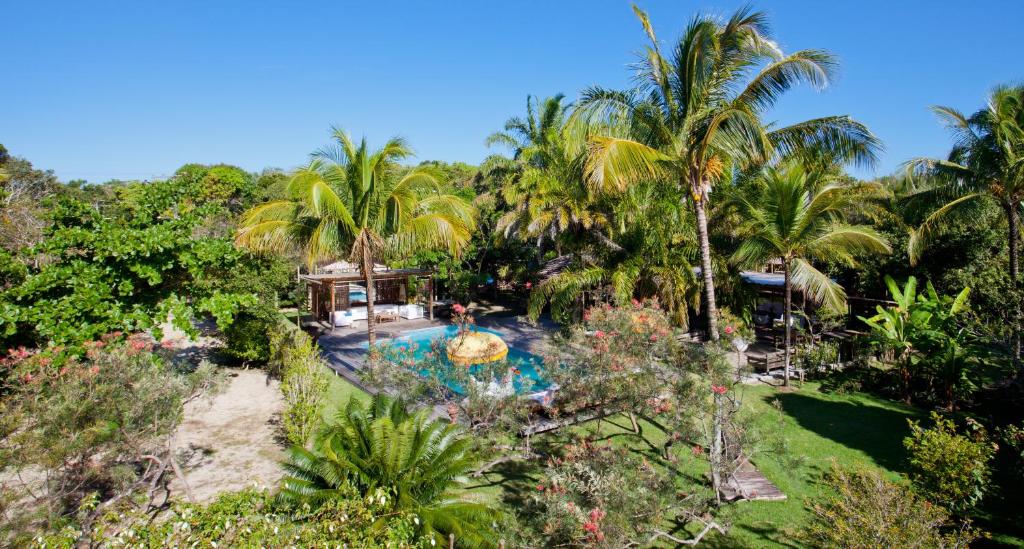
<point x="135" y="89"/>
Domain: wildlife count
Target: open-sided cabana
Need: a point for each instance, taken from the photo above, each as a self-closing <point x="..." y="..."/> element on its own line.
<point x="339" y="298"/>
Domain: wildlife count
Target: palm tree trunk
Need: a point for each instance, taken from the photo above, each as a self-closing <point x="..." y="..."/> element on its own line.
<point x="371" y="295"/>
<point x="1013" y="221"/>
<point x="787" y="315"/>
<point x="705" y="269"/>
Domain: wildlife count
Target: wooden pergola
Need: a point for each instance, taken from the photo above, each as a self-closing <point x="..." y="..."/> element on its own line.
<point x="391" y="286"/>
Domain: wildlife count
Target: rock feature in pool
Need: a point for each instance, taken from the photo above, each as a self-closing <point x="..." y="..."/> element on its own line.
<point x="469" y="348"/>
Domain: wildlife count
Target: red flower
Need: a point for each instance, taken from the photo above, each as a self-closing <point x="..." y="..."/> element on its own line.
<point x="591" y="527"/>
<point x="728" y="329"/>
<point x="719" y="389"/>
<point x="599" y="334"/>
<point x="459" y="309"/>
<point x="528" y="285"/>
<point x="540" y="487"/>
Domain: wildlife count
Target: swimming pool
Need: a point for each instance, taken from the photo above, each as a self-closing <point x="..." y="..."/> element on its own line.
<point x="421" y="342"/>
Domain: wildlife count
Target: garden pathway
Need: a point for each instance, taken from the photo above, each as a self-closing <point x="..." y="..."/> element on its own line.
<point x="233" y="440"/>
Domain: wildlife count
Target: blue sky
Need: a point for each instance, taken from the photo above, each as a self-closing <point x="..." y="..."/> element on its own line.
<point x="134" y="90"/>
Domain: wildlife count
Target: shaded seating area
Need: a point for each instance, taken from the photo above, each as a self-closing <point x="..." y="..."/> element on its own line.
<point x="338" y="295"/>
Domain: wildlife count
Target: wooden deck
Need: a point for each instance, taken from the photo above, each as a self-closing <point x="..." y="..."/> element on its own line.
<point x="748" y="483"/>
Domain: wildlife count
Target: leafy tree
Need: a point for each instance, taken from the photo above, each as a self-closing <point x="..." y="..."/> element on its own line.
<point x="695" y="115"/>
<point x="986" y="164"/>
<point x="407" y="461"/>
<point x="105" y="274"/>
<point x="799" y="217"/>
<point x="349" y="203"/>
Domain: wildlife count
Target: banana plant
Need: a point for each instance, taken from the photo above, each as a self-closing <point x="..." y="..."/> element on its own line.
<point x="918" y="324"/>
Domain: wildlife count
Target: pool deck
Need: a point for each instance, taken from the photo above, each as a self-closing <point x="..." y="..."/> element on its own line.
<point x="345" y="351"/>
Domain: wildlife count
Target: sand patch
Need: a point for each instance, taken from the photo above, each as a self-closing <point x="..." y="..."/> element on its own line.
<point x="233" y="440"/>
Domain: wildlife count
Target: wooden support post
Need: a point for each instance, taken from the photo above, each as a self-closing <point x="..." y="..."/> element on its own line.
<point x="330" y="315"/>
<point x="430" y="296"/>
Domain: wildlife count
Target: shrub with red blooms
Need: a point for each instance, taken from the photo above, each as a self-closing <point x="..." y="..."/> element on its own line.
<point x="599" y="495"/>
<point x="616" y="361"/>
<point x="96" y="425"/>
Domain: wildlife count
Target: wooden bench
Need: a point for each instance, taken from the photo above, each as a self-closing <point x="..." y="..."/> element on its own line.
<point x="768" y="360"/>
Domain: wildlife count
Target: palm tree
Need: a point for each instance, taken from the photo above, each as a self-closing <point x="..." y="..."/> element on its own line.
<point x="382" y="447"/>
<point x="695" y="113"/>
<point x="985" y="163"/>
<point x="351" y="201"/>
<point x="799" y="217"/>
<point x="544" y="182"/>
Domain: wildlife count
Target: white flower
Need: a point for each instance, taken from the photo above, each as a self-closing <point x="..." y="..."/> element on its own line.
<point x="383" y="500"/>
<point x="416" y="520"/>
<point x="432" y="542"/>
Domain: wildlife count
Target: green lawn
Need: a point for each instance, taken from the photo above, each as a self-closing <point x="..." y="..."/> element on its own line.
<point x="854" y="429"/>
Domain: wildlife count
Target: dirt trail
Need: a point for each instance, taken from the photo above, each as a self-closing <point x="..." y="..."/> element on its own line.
<point x="233" y="440"/>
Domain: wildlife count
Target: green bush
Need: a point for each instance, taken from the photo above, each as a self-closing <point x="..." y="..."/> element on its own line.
<point x="251" y="518"/>
<point x="303" y="380"/>
<point x="949" y="468"/>
<point x="867" y="511"/>
<point x="245" y="338"/>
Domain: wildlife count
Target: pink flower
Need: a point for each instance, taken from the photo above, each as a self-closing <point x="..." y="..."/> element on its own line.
<point x="591" y="527"/>
<point x="94" y="370"/>
<point x="596" y="515"/>
<point x="654" y="337"/>
<point x="728" y="329"/>
<point x="540" y="487"/>
<point x="719" y="389"/>
<point x="459" y="309"/>
<point x="599" y="334"/>
<point x="697" y="450"/>
<point x="139" y="345"/>
<point x="528" y="285"/>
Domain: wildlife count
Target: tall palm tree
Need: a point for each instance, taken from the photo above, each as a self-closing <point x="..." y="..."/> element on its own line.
<point x="798" y="217"/>
<point x="354" y="202"/>
<point x="695" y="113"/>
<point x="381" y="446"/>
<point x="544" y="182"/>
<point x="985" y="163"/>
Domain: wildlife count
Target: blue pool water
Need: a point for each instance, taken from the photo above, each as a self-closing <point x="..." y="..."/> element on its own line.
<point x="357" y="295"/>
<point x="422" y="342"/>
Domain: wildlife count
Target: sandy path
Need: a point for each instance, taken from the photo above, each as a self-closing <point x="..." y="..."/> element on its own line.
<point x="232" y="441"/>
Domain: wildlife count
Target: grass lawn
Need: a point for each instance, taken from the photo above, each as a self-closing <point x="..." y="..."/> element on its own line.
<point x="853" y="429"/>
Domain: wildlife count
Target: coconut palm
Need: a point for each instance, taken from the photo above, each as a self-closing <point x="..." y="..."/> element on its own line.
<point x="985" y="163"/>
<point x="381" y="449"/>
<point x="798" y="217"/>
<point x="543" y="182"/>
<point x="351" y="201"/>
<point x="696" y="112"/>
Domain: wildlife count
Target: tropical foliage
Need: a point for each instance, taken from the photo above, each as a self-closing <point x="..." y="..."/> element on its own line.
<point x="797" y="217"/>
<point x="405" y="460"/>
<point x="349" y="202"/>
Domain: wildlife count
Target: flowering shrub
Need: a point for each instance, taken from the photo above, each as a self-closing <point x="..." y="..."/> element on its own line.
<point x="617" y="362"/>
<point x="96" y="425"/>
<point x="950" y="468"/>
<point x="869" y="511"/>
<point x="598" y="495"/>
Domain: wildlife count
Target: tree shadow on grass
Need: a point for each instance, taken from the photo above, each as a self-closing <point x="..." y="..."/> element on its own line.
<point x="877" y="431"/>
